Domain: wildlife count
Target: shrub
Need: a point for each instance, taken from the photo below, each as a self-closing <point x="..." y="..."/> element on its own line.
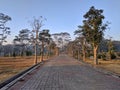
<point x="118" y="53"/>
<point x="28" y="53"/>
<point x="113" y="56"/>
<point x="14" y="55"/>
<point x="102" y="56"/>
<point x="89" y="54"/>
<point x="99" y="56"/>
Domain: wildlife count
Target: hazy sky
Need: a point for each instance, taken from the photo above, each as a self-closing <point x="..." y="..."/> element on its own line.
<point x="61" y="15"/>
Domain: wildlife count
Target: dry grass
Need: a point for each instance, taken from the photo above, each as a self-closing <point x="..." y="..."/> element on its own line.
<point x="10" y="66"/>
<point x="111" y="65"/>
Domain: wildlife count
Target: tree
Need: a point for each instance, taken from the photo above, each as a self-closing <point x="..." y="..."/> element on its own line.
<point x="61" y="39"/>
<point x="44" y="37"/>
<point x="23" y="39"/>
<point x="103" y="47"/>
<point x="36" y="24"/>
<point x="4" y="31"/>
<point x="52" y="47"/>
<point x="93" y="29"/>
<point x="110" y="49"/>
<point x="81" y="40"/>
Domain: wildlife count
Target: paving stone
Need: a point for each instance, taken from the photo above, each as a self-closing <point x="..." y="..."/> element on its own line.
<point x="65" y="73"/>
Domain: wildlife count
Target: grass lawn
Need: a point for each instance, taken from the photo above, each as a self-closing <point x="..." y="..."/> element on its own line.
<point x="10" y="66"/>
<point x="111" y="65"/>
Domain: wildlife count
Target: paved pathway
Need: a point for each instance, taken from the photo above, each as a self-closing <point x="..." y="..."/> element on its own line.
<point x="65" y="73"/>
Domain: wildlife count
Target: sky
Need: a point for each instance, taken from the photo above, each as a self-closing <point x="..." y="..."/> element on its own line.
<point x="61" y="15"/>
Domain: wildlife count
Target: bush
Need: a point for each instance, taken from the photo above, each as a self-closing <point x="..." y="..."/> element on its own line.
<point x="14" y="55"/>
<point x="118" y="53"/>
<point x="28" y="53"/>
<point x="89" y="54"/>
<point x="99" y="56"/>
<point x="113" y="56"/>
<point x="102" y="56"/>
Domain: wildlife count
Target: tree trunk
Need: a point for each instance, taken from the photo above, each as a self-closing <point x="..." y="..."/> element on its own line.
<point x="78" y="55"/>
<point x="95" y="48"/>
<point x="48" y="52"/>
<point x="83" y="49"/>
<point x="42" y="51"/>
<point x="35" y="53"/>
<point x="57" y="51"/>
<point x="84" y="56"/>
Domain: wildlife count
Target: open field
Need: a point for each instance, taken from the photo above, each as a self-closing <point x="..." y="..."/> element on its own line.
<point x="10" y="66"/>
<point x="111" y="65"/>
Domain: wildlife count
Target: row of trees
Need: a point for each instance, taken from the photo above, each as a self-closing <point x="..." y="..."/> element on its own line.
<point x="90" y="34"/>
<point x="89" y="37"/>
<point x="4" y="30"/>
<point x="32" y="42"/>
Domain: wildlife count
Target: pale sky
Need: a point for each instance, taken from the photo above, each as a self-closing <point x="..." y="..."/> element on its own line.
<point x="61" y="15"/>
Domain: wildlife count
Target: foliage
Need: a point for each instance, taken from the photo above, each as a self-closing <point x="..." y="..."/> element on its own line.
<point x="93" y="28"/>
<point x="102" y="56"/>
<point x="23" y="37"/>
<point x="52" y="45"/>
<point x="113" y="56"/>
<point x="22" y="40"/>
<point x="4" y="31"/>
<point x="110" y="46"/>
<point x="44" y="35"/>
<point x="103" y="46"/>
<point x="28" y="53"/>
<point x="118" y="53"/>
<point x="14" y="55"/>
<point x="61" y="39"/>
<point x="111" y="52"/>
<point x="36" y="25"/>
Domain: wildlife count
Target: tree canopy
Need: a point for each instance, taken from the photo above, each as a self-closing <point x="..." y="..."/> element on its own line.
<point x="93" y="28"/>
<point x="4" y="31"/>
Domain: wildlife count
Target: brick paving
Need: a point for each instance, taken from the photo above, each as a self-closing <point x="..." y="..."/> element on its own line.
<point x="65" y="73"/>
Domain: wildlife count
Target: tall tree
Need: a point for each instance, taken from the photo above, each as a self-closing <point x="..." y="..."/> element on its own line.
<point x="36" y="24"/>
<point x="23" y="39"/>
<point x="93" y="29"/>
<point x="4" y="31"/>
<point x="110" y="48"/>
<point x="74" y="48"/>
<point x="52" y="47"/>
<point x="81" y="39"/>
<point x="44" y="37"/>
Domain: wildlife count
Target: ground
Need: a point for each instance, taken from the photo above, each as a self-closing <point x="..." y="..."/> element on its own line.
<point x="10" y="66"/>
<point x="66" y="73"/>
<point x="110" y="65"/>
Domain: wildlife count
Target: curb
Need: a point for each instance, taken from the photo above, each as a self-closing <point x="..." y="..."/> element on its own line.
<point x="11" y="81"/>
